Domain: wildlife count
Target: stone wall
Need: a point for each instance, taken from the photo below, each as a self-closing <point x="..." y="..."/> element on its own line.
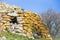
<point x="22" y="22"/>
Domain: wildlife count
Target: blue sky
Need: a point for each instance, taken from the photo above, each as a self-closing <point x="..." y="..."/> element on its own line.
<point x="36" y="5"/>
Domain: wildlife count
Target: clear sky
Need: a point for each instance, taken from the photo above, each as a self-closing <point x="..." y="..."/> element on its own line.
<point x="36" y="5"/>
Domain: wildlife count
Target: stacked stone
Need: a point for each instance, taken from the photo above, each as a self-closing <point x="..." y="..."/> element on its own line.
<point x="4" y="21"/>
<point x="31" y="21"/>
<point x="28" y="24"/>
<point x="16" y="28"/>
